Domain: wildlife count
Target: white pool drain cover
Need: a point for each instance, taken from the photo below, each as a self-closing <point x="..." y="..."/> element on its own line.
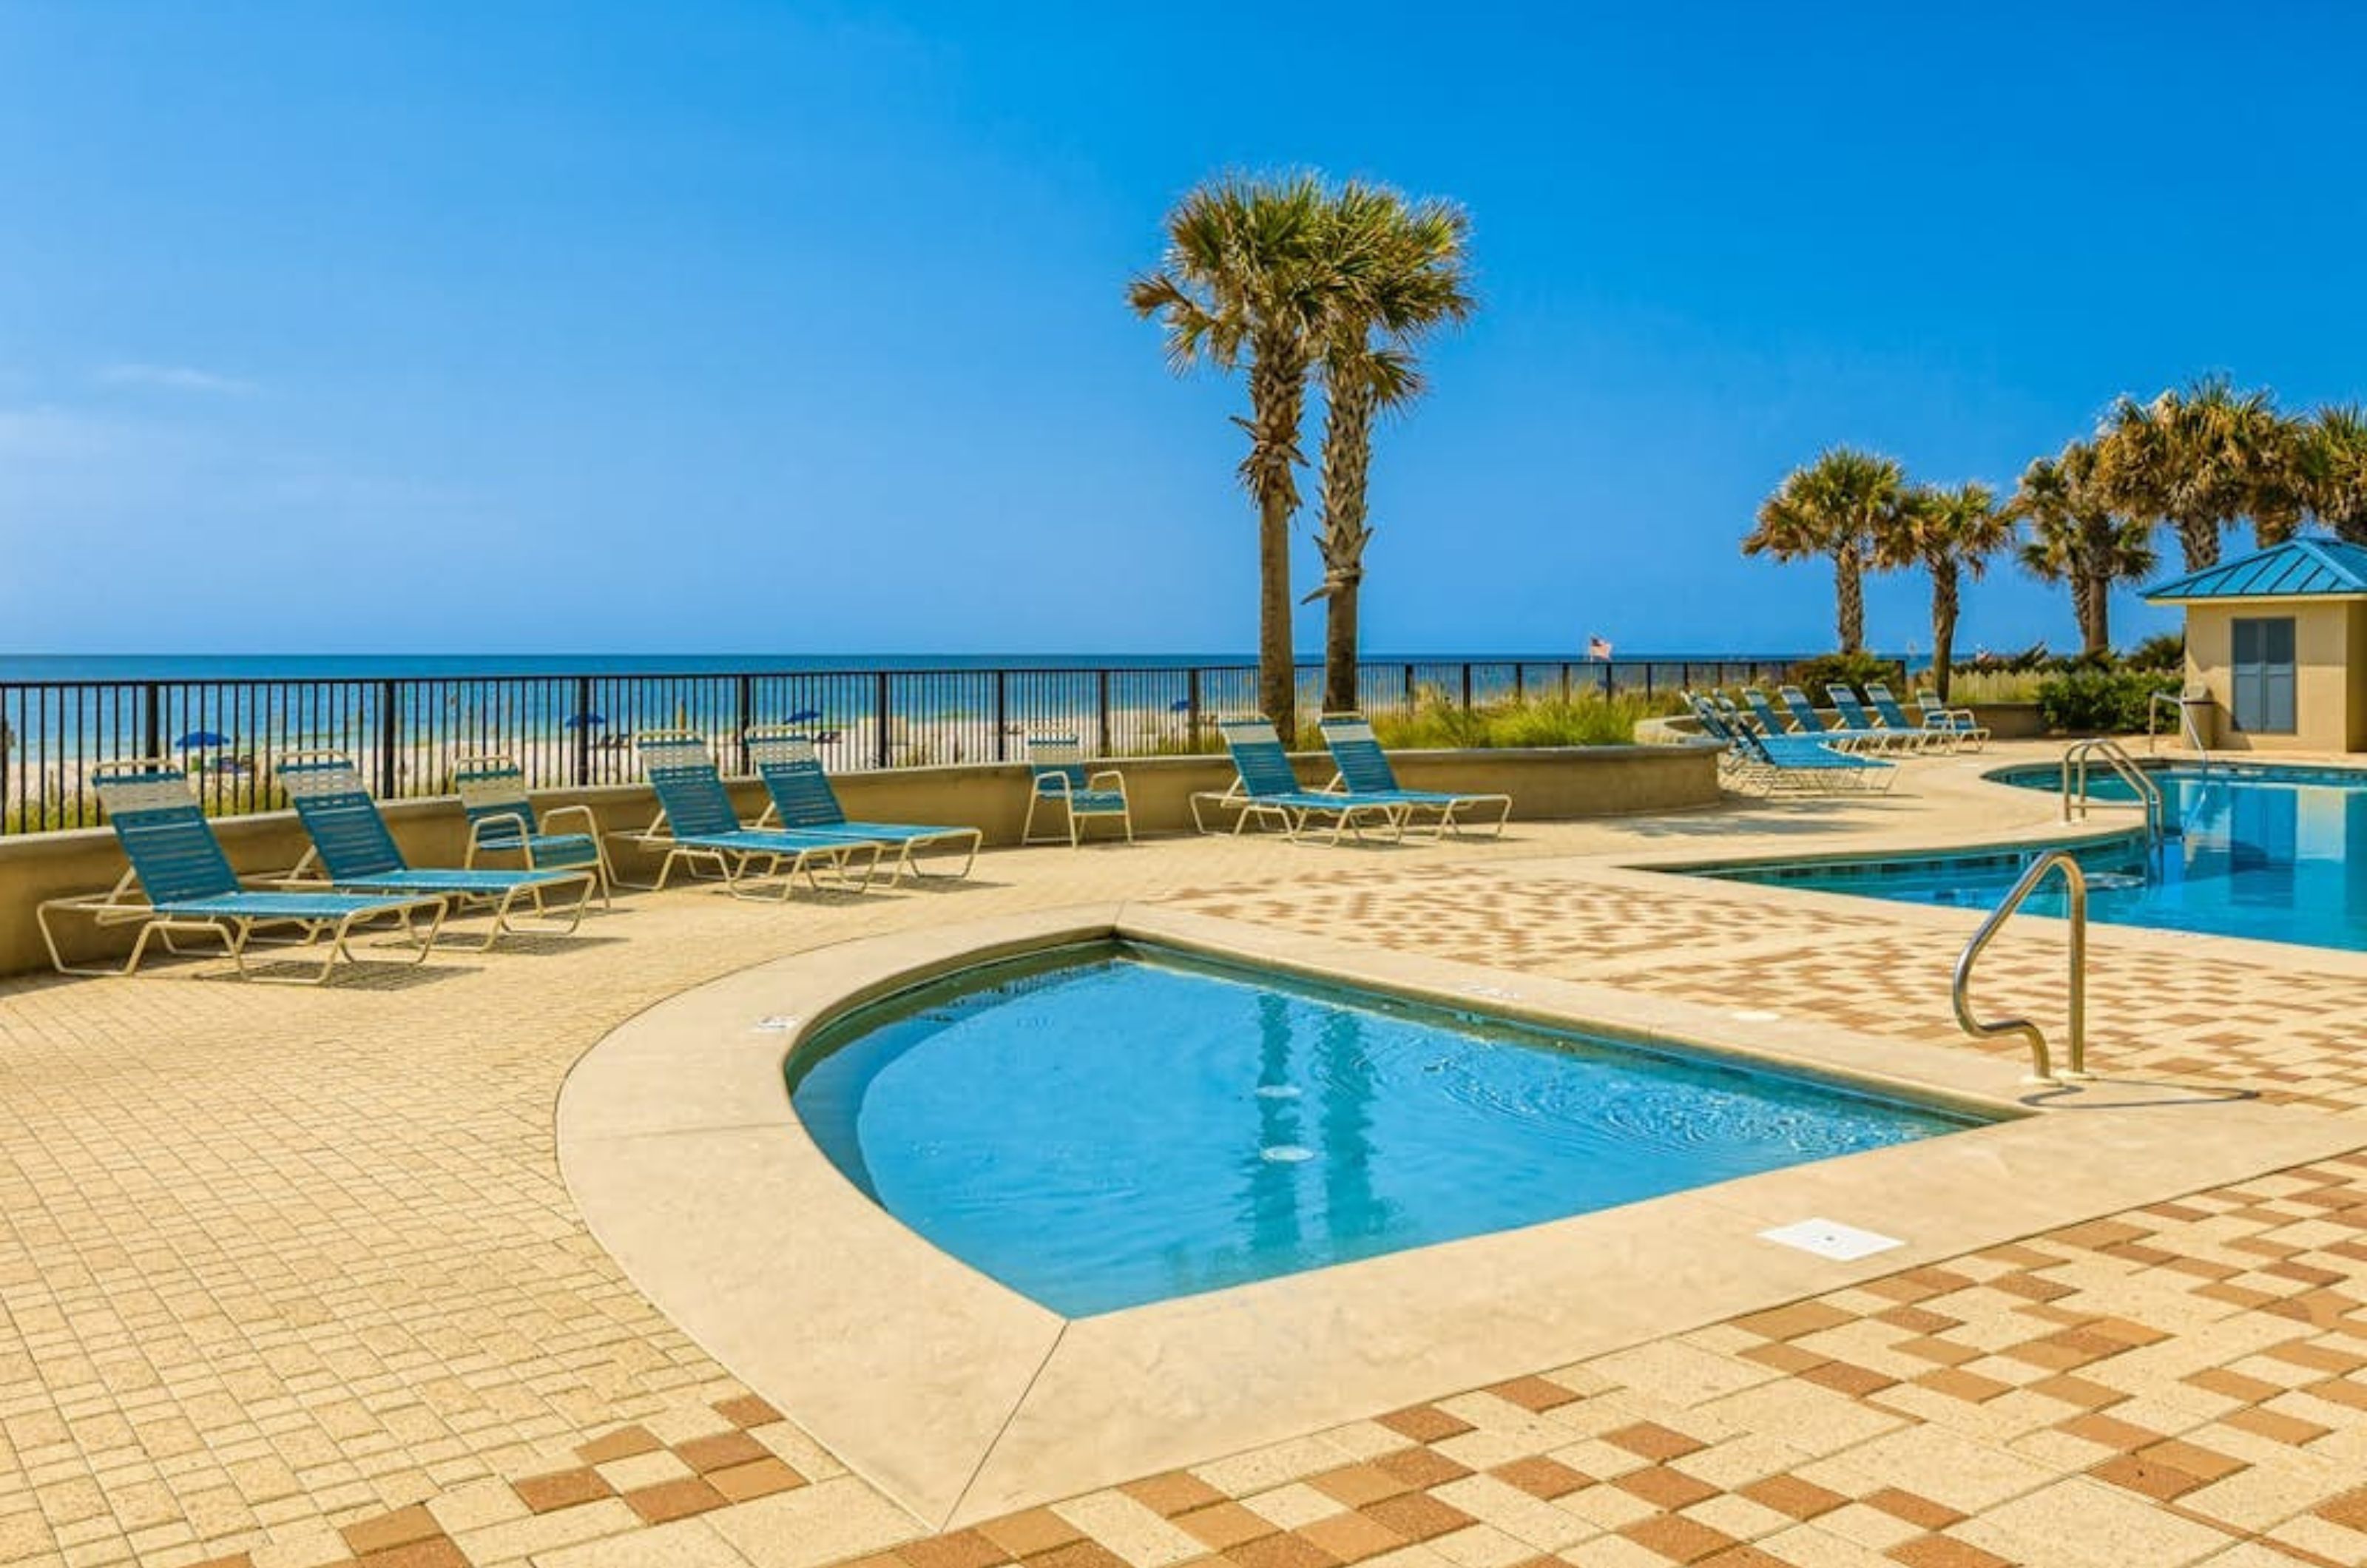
<point x="1831" y="1238"/>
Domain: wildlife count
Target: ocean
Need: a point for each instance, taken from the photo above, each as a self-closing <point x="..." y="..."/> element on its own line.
<point x="64" y="666"/>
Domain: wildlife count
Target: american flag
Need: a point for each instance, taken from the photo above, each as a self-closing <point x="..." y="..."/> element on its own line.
<point x="1597" y="648"/>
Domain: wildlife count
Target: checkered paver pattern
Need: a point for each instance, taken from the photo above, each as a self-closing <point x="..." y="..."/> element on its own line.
<point x="289" y="1279"/>
<point x="2299" y="1040"/>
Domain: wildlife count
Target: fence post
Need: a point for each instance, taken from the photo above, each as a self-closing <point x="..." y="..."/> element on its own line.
<point x="1466" y="688"/>
<point x="1102" y="705"/>
<point x="386" y="732"/>
<point x="583" y="720"/>
<point x="1520" y="682"/>
<point x="1648" y="682"/>
<point x="747" y="710"/>
<point x="1001" y="715"/>
<point x="1192" y="707"/>
<point x="152" y="722"/>
<point x="1565" y="681"/>
<point x="1606" y="678"/>
<point x="880" y="715"/>
<point x="1408" y="698"/>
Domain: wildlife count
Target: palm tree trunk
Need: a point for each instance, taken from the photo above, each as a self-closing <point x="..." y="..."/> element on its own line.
<point x="2096" y="616"/>
<point x="1849" y="597"/>
<point x="1339" y="693"/>
<point x="1945" y="601"/>
<point x="1347" y="466"/>
<point x="1277" y="393"/>
<point x="2083" y="604"/>
<point x="2199" y="538"/>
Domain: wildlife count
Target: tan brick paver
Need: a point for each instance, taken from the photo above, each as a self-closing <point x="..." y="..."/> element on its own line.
<point x="289" y="1278"/>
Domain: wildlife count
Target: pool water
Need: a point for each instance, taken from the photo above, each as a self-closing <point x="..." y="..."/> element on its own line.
<point x="1108" y="1126"/>
<point x="2276" y="853"/>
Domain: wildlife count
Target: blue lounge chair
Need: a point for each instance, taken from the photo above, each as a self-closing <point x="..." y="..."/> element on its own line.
<point x="353" y="851"/>
<point x="1797" y="764"/>
<point x="1806" y="720"/>
<point x="1770" y="721"/>
<point x="1806" y="765"/>
<point x="697" y="825"/>
<point x="803" y="801"/>
<point x="1959" y="722"/>
<point x="1266" y="789"/>
<point x="1892" y="716"/>
<point x="502" y="822"/>
<point x="1724" y="729"/>
<point x="1364" y="771"/>
<point x="1885" y="736"/>
<point x="1060" y="777"/>
<point x="1735" y="717"/>
<point x="180" y="883"/>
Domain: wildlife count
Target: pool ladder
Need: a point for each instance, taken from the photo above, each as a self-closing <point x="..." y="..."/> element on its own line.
<point x="2075" y="781"/>
<point x="2042" y="1064"/>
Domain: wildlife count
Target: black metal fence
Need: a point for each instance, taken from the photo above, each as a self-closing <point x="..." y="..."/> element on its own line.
<point x="408" y="733"/>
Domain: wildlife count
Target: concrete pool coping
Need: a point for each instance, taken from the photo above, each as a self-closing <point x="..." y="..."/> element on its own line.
<point x="963" y="1400"/>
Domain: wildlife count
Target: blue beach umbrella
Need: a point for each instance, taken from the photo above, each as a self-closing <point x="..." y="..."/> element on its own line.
<point x="804" y="715"/>
<point x="1181" y="704"/>
<point x="585" y="721"/>
<point x="198" y="738"/>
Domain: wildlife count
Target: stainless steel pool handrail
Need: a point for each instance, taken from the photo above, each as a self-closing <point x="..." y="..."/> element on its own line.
<point x="2186" y="730"/>
<point x="2075" y="781"/>
<point x="2042" y="1064"/>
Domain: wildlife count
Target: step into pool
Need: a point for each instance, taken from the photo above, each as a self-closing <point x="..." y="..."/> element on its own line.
<point x="1106" y="1126"/>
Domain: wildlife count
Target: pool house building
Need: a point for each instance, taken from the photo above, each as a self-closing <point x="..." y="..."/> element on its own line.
<point x="2278" y="640"/>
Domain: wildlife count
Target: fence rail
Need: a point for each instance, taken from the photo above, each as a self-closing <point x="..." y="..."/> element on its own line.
<point x="408" y="732"/>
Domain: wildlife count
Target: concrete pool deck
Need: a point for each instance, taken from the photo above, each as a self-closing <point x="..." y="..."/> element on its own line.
<point x="293" y="1278"/>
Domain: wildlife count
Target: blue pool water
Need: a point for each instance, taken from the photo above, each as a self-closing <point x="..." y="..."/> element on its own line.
<point x="2277" y="853"/>
<point x="1108" y="1126"/>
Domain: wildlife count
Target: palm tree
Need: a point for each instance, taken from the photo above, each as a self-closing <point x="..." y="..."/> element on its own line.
<point x="1400" y="271"/>
<point x="2196" y="460"/>
<point x="2077" y="538"/>
<point x="1833" y="507"/>
<point x="1245" y="280"/>
<point x="2333" y="463"/>
<point x="1948" y="533"/>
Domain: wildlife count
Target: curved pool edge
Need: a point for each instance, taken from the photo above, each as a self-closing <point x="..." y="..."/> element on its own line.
<point x="962" y="1401"/>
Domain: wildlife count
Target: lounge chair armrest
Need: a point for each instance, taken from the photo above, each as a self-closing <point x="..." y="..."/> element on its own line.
<point x="1107" y="775"/>
<point x="297" y="880"/>
<point x="1058" y="783"/>
<point x="591" y="818"/>
<point x="515" y="821"/>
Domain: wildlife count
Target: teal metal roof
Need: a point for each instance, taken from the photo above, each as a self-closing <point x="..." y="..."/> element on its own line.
<point x="2302" y="567"/>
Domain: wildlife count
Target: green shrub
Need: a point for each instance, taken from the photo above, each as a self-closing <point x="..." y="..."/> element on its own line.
<point x="2102" y="701"/>
<point x="1851" y="669"/>
<point x="2167" y="651"/>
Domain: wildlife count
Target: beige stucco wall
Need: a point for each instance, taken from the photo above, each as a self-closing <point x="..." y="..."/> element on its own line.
<point x="2329" y="672"/>
<point x="1544" y="785"/>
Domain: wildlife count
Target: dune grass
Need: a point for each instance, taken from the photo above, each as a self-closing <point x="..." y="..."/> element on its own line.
<point x="1590" y="718"/>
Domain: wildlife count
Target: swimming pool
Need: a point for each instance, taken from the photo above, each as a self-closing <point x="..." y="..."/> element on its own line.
<point x="2276" y="853"/>
<point x="1106" y="1126"/>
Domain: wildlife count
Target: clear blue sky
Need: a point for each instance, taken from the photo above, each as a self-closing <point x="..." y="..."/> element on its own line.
<point x="796" y="327"/>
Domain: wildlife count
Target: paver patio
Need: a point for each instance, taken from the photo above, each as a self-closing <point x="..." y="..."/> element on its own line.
<point x="289" y="1278"/>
